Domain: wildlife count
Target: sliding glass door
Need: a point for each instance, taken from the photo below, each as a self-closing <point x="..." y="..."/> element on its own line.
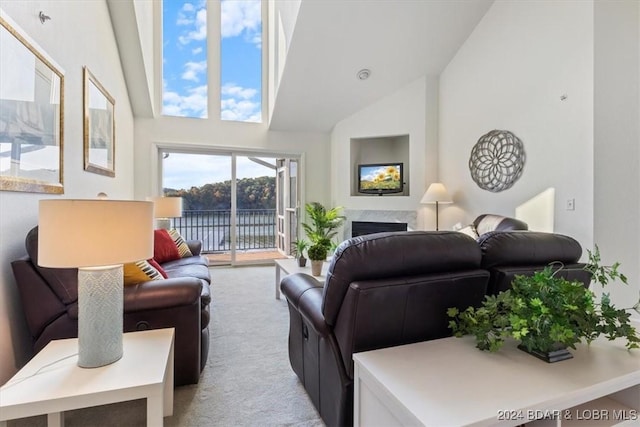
<point x="231" y="203"/>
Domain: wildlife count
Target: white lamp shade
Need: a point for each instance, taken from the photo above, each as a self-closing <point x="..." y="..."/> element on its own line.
<point x="436" y="192"/>
<point x="167" y="207"/>
<point x="93" y="233"/>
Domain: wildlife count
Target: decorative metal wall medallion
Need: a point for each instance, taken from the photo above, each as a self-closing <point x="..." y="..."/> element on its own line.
<point x="497" y="160"/>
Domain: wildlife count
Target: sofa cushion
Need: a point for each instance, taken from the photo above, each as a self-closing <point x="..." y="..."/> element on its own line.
<point x="511" y="248"/>
<point x="164" y="248"/>
<point x="63" y="281"/>
<point x="395" y="254"/>
<point x="140" y="271"/>
<point x="174" y="269"/>
<point x="489" y="222"/>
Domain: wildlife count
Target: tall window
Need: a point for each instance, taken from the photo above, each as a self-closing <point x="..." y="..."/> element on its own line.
<point x="241" y="60"/>
<point x="184" y="66"/>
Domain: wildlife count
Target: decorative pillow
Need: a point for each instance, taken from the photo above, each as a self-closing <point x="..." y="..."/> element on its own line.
<point x="164" y="248"/>
<point x="138" y="272"/>
<point x="470" y="231"/>
<point x="183" y="248"/>
<point x="158" y="267"/>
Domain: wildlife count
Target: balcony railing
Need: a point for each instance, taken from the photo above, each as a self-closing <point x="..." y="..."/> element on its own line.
<point x="255" y="229"/>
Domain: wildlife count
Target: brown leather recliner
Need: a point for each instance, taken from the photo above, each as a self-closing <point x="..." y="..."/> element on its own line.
<point x="50" y="301"/>
<point x="382" y="290"/>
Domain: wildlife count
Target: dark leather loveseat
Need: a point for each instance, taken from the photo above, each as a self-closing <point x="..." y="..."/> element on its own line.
<point x="389" y="289"/>
<point x="50" y="301"/>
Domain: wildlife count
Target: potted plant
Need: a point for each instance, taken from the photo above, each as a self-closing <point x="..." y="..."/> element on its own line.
<point x="548" y="314"/>
<point x="299" y="246"/>
<point x="317" y="254"/>
<point x="321" y="228"/>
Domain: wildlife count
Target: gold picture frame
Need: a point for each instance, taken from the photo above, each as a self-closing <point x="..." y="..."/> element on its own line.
<point x="99" y="127"/>
<point x="31" y="114"/>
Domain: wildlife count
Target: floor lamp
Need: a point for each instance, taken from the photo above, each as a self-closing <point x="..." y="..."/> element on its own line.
<point x="166" y="208"/>
<point x="438" y="194"/>
<point x="97" y="237"/>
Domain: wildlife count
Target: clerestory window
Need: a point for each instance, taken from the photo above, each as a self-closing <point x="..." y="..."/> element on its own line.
<point x="185" y="62"/>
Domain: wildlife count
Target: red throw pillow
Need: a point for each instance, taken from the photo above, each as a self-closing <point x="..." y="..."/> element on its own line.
<point x="158" y="267"/>
<point x="164" y="248"/>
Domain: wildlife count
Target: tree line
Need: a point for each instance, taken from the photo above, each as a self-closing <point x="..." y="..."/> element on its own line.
<point x="252" y="193"/>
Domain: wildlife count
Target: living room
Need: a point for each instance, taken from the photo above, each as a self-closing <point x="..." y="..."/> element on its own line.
<point x="563" y="76"/>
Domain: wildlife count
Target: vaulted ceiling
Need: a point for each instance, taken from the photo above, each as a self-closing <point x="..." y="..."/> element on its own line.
<point x="398" y="40"/>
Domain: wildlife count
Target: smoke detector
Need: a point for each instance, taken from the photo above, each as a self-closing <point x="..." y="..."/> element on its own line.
<point x="363" y="74"/>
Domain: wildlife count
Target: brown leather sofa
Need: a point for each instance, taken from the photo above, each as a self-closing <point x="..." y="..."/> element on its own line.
<point x="390" y="289"/>
<point x="50" y="301"/>
<point x="507" y="254"/>
<point x="381" y="290"/>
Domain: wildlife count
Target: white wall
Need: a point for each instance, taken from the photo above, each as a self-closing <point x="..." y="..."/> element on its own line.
<point x="617" y="142"/>
<point x="405" y="112"/>
<point x="510" y="74"/>
<point x="74" y="37"/>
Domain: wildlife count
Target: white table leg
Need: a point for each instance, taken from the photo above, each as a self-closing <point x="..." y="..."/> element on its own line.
<point x="155" y="411"/>
<point x="277" y="281"/>
<point x="55" y="419"/>
<point x="168" y="386"/>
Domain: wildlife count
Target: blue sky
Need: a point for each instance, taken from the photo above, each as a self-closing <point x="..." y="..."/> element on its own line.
<point x="185" y="59"/>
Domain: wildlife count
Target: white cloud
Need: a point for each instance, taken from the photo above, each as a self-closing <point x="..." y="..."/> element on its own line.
<point x="238" y="104"/>
<point x="238" y="17"/>
<point x="193" y="69"/>
<point x="196" y="51"/>
<point x="193" y="104"/>
<point x="199" y="32"/>
<point x="238" y="91"/>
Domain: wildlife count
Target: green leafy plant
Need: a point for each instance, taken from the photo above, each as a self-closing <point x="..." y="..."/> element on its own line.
<point x="322" y="224"/>
<point x="317" y="252"/>
<point x="299" y="246"/>
<point x="546" y="312"/>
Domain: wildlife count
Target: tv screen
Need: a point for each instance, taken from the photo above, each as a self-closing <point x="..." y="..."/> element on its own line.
<point x="380" y="178"/>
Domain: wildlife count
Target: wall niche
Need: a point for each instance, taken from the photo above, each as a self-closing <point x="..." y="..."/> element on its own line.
<point x="382" y="149"/>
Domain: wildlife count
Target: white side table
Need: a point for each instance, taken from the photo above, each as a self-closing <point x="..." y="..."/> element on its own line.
<point x="52" y="382"/>
<point x="290" y="266"/>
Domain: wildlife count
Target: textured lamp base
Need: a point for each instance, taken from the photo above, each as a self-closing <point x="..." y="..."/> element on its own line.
<point x="100" y="312"/>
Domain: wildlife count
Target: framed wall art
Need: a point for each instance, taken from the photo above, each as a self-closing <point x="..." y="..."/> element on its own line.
<point x="31" y="114"/>
<point x="99" y="127"/>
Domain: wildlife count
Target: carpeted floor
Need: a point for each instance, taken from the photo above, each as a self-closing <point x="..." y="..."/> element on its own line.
<point x="247" y="381"/>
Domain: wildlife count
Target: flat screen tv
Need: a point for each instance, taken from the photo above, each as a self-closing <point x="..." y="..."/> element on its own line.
<point x="380" y="178"/>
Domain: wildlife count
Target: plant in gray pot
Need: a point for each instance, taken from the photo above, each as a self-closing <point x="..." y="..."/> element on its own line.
<point x="548" y="314"/>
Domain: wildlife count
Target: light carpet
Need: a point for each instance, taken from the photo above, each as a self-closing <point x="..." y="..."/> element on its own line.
<point x="247" y="381"/>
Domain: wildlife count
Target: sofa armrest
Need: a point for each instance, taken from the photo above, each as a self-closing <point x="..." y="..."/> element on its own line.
<point x="161" y="294"/>
<point x="195" y="246"/>
<point x="305" y="294"/>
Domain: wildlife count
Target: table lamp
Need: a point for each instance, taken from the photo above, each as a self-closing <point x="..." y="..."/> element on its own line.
<point x="97" y="237"/>
<point x="166" y="208"/>
<point x="436" y="193"/>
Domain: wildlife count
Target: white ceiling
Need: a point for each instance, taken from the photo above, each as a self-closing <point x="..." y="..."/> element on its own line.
<point x="398" y="40"/>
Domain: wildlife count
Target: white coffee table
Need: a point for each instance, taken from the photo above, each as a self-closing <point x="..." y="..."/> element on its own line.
<point x="290" y="266"/>
<point x="52" y="382"/>
<point x="450" y="382"/>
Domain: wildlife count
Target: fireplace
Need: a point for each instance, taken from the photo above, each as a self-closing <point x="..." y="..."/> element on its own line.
<point x="360" y="228"/>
